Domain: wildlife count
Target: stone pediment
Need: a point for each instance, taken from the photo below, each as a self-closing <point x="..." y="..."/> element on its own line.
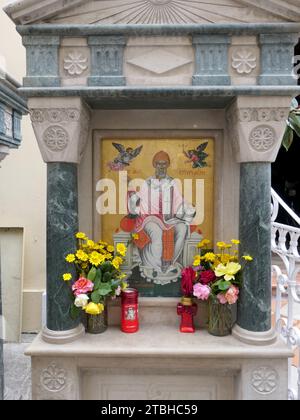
<point x="153" y="11"/>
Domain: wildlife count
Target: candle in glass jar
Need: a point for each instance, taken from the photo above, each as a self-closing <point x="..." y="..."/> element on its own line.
<point x="130" y="321"/>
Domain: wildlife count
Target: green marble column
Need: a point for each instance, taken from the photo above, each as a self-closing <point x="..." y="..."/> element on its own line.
<point x="62" y="225"/>
<point x="254" y="308"/>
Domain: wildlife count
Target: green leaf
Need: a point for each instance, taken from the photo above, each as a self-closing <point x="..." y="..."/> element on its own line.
<point x="96" y="297"/>
<point x="294" y="122"/>
<point x="104" y="289"/>
<point x="116" y="283"/>
<point x="74" y="311"/>
<point x="224" y="285"/>
<point x="98" y="279"/>
<point x="107" y="277"/>
<point x="107" y="267"/>
<point x="92" y="274"/>
<point x="288" y="138"/>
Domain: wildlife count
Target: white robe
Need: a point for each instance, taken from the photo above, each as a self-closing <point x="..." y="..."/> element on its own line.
<point x="161" y="206"/>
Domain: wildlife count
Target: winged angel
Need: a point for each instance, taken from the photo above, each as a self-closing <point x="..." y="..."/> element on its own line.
<point x="197" y="157"/>
<point x="124" y="158"/>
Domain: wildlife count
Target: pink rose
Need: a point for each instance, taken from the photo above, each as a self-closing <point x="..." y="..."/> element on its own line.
<point x="82" y="286"/>
<point x="207" y="276"/>
<point x="222" y="299"/>
<point x="232" y="295"/>
<point x="187" y="281"/>
<point x="201" y="291"/>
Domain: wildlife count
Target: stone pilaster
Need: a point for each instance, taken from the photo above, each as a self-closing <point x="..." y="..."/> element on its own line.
<point x="107" y="56"/>
<point x="254" y="309"/>
<point x="256" y="130"/>
<point x="211" y="62"/>
<point x="61" y="127"/>
<point x="62" y="225"/>
<point x="277" y="52"/>
<point x="42" y="57"/>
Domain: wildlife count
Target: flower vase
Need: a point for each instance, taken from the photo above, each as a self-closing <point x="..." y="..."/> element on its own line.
<point x="97" y="324"/>
<point x="220" y="319"/>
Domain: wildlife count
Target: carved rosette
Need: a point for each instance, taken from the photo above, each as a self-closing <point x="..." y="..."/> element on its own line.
<point x="56" y="138"/>
<point x="262" y="138"/>
<point x="61" y="131"/>
<point x="244" y="61"/>
<point x="262" y="114"/>
<point x="264" y="380"/>
<point x="75" y="63"/>
<point x="53" y="378"/>
<point x="55" y="115"/>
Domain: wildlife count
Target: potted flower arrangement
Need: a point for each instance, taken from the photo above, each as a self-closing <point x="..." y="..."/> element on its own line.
<point x="218" y="279"/>
<point x="99" y="277"/>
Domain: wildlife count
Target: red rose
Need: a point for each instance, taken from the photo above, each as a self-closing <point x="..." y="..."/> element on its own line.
<point x="187" y="281"/>
<point x="207" y="276"/>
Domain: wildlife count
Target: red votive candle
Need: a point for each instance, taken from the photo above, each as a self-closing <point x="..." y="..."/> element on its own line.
<point x="130" y="311"/>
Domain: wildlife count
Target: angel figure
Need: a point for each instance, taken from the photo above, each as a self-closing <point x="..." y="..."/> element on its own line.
<point x="197" y="157"/>
<point x="124" y="158"/>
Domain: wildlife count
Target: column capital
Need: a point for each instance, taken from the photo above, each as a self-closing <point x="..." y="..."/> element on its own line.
<point x="61" y="126"/>
<point x="256" y="126"/>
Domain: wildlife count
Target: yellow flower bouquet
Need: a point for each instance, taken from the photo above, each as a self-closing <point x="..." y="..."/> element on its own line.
<point x="218" y="279"/>
<point x="218" y="275"/>
<point x="98" y="266"/>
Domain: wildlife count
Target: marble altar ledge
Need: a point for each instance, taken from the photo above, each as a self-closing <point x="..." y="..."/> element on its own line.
<point x="160" y="341"/>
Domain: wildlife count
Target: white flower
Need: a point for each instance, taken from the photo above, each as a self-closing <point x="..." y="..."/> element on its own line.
<point x="81" y="301"/>
<point x="118" y="291"/>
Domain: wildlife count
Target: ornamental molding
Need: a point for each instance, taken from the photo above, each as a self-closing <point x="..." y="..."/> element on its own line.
<point x="244" y="61"/>
<point x="56" y="138"/>
<point x="75" y="63"/>
<point x="8" y="124"/>
<point x="32" y="11"/>
<point x="262" y="138"/>
<point x="264" y="380"/>
<point x="53" y="378"/>
<point x="55" y="115"/>
<point x="152" y="11"/>
<point x="245" y="115"/>
<point x="159" y="61"/>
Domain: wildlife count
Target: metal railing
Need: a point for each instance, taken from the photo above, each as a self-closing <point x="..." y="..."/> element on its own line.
<point x="286" y="244"/>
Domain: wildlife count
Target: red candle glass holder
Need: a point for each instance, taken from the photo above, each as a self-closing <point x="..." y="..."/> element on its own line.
<point x="187" y="309"/>
<point x="130" y="311"/>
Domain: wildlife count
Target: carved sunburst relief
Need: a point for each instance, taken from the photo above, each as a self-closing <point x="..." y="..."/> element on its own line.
<point x="162" y="12"/>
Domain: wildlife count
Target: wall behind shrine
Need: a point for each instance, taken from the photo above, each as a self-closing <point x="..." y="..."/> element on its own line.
<point x="23" y="187"/>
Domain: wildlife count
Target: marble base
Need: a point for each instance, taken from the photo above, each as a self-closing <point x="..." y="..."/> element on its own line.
<point x="255" y="338"/>
<point x="157" y="363"/>
<point x="62" y="337"/>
